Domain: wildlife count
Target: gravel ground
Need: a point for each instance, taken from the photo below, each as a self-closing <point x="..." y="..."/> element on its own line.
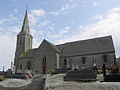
<point x="56" y="82"/>
<point x="37" y="83"/>
<point x="15" y="82"/>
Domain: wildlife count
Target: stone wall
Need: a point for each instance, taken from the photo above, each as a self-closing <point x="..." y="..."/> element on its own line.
<point x="89" y="60"/>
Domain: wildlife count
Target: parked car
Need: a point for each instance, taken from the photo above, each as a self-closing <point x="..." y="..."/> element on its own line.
<point x="17" y="75"/>
<point x="80" y="75"/>
<point x="28" y="75"/>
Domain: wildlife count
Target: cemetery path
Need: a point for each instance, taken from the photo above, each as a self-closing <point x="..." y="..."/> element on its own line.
<point x="56" y="82"/>
<point x="37" y="83"/>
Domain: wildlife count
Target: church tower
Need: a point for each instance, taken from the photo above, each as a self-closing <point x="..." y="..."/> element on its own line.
<point x="24" y="40"/>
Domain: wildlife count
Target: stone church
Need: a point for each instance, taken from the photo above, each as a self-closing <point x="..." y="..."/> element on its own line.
<point x="48" y="56"/>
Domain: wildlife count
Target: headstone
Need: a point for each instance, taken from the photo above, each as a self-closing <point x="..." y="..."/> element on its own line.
<point x="112" y="77"/>
<point x="81" y="75"/>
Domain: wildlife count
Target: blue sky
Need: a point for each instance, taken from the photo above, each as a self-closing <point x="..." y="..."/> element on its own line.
<point x="58" y="21"/>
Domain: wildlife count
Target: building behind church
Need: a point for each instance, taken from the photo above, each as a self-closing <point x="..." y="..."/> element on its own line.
<point x="47" y="56"/>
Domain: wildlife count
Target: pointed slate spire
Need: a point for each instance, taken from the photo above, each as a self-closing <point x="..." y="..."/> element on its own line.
<point x="25" y="26"/>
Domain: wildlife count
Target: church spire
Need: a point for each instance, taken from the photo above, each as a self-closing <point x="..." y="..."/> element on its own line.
<point x="25" y="26"/>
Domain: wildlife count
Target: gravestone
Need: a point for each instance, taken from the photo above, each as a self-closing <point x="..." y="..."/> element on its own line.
<point x="112" y="77"/>
<point x="81" y="75"/>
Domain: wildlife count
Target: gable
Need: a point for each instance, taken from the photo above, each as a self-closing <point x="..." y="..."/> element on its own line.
<point x="47" y="44"/>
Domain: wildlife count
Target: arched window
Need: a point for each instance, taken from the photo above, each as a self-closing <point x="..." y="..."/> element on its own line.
<point x="44" y="61"/>
<point x="29" y="42"/>
<point x="20" y="40"/>
<point x="44" y="64"/>
<point x="65" y="62"/>
<point x="21" y="66"/>
<point x="105" y="58"/>
<point x="29" y="65"/>
<point x="83" y="60"/>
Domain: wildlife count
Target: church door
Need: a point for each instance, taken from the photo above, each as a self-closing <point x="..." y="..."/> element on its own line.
<point x="44" y="65"/>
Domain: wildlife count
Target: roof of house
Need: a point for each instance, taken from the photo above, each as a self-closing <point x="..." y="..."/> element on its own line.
<point x="90" y="46"/>
<point x="28" y="53"/>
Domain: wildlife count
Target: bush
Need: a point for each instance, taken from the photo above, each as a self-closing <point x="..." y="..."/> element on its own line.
<point x="115" y="69"/>
<point x="2" y="77"/>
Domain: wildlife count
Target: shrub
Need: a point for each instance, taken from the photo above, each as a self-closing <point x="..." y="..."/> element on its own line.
<point x="2" y="77"/>
<point x="115" y="69"/>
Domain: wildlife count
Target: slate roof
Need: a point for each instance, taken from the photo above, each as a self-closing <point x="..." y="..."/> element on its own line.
<point x="85" y="47"/>
<point x="53" y="46"/>
<point x="29" y="53"/>
<point x="25" y="26"/>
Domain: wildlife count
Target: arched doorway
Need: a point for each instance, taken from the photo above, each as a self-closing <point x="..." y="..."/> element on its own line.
<point x="44" y="64"/>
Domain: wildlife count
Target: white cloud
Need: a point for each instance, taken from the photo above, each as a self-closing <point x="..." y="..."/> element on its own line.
<point x="15" y="10"/>
<point x="8" y="40"/>
<point x="36" y="32"/>
<point x="84" y="6"/>
<point x="61" y="33"/>
<point x="95" y="4"/>
<point x="51" y="27"/>
<point x="63" y="10"/>
<point x="36" y="37"/>
<point x="98" y="17"/>
<point x="108" y="25"/>
<point x="14" y="29"/>
<point x="117" y="9"/>
<point x="37" y="12"/>
<point x="68" y="6"/>
<point x="2" y="21"/>
<point x="36" y="43"/>
<point x="11" y="18"/>
<point x="44" y="23"/>
<point x="35" y="15"/>
<point x="7" y="49"/>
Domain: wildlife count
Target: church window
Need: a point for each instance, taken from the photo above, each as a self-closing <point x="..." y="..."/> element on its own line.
<point x="20" y="66"/>
<point x="28" y="65"/>
<point x="114" y="59"/>
<point x="44" y="64"/>
<point x="83" y="60"/>
<point x="20" y="40"/>
<point x="65" y="62"/>
<point x="29" y="41"/>
<point x="44" y="61"/>
<point x="105" y="58"/>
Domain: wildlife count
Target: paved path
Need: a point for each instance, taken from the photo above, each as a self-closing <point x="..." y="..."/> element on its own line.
<point x="37" y="84"/>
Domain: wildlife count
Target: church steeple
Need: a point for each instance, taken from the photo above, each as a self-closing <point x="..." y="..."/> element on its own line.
<point x="25" y="26"/>
<point x="24" y="38"/>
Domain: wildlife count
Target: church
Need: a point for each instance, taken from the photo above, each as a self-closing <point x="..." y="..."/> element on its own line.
<point x="47" y="56"/>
